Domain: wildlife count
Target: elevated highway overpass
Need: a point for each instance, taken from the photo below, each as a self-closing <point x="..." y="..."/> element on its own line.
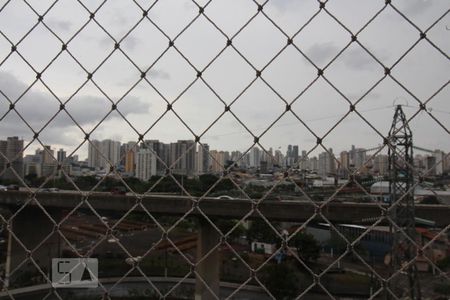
<point x="286" y="211"/>
<point x="38" y="236"/>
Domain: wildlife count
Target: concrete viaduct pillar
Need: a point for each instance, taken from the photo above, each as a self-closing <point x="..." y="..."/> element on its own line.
<point x="209" y="267"/>
<point x="31" y="226"/>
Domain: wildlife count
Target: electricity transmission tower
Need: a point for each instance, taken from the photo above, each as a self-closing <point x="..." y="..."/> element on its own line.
<point x="402" y="197"/>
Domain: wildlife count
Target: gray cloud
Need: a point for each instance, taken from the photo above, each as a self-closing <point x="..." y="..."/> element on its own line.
<point x="372" y="96"/>
<point x="152" y="74"/>
<point x="322" y="53"/>
<point x="161" y="74"/>
<point x="285" y="5"/>
<point x="356" y="58"/>
<point x="414" y="7"/>
<point x="131" y="41"/>
<point x="106" y="42"/>
<point x="353" y="58"/>
<point x="37" y="107"/>
<point x="60" y="24"/>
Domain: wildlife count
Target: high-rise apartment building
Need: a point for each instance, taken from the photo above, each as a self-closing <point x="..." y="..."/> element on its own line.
<point x="94" y="150"/>
<point x="326" y="163"/>
<point x="216" y="165"/>
<point x="103" y="154"/>
<point x="130" y="150"/>
<point x="419" y="162"/>
<point x="33" y="163"/>
<point x="304" y="163"/>
<point x="279" y="158"/>
<point x="48" y="155"/>
<point x="343" y="165"/>
<point x="357" y="157"/>
<point x="237" y="158"/>
<point x="430" y="165"/>
<point x="61" y="155"/>
<point x="344" y="160"/>
<point x="447" y="163"/>
<point x="162" y="151"/>
<point x="3" y="156"/>
<point x="314" y="164"/>
<point x="381" y="164"/>
<point x="292" y="155"/>
<point x="270" y="159"/>
<point x="255" y="157"/>
<point x="203" y="159"/>
<point x="49" y="162"/>
<point x="111" y="154"/>
<point x="295" y="154"/>
<point x="440" y="161"/>
<point x="182" y="157"/>
<point x="145" y="164"/>
<point x="11" y="152"/>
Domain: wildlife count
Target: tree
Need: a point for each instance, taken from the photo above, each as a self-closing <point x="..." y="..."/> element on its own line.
<point x="33" y="180"/>
<point x="208" y="180"/>
<point x="260" y="231"/>
<point x="136" y="184"/>
<point x="167" y="184"/>
<point x="307" y="246"/>
<point x="225" y="225"/>
<point x="85" y="183"/>
<point x="282" y="281"/>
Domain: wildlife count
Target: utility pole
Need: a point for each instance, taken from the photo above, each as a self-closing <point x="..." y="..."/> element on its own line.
<point x="402" y="197"/>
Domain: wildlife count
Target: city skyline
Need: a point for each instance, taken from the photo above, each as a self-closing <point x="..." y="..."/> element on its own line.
<point x="185" y="157"/>
<point x="283" y="149"/>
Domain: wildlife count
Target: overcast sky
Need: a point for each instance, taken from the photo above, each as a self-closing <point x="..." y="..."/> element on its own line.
<point x="424" y="71"/>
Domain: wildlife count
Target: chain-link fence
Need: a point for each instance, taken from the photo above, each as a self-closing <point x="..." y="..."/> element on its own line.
<point x="196" y="148"/>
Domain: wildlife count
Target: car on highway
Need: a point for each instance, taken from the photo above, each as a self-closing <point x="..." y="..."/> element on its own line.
<point x="224" y="197"/>
<point x="12" y="187"/>
<point x="3" y="188"/>
<point x="50" y="190"/>
<point x="133" y="260"/>
<point x="118" y="190"/>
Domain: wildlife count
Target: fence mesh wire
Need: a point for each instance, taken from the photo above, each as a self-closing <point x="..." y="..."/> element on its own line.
<point x="111" y="49"/>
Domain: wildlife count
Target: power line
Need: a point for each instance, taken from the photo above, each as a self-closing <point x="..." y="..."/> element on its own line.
<point x="297" y="123"/>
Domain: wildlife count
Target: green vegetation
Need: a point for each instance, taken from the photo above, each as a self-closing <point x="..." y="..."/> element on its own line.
<point x="261" y="231"/>
<point x="151" y="265"/>
<point x="226" y="225"/>
<point x="282" y="281"/>
<point x="167" y="184"/>
<point x="444" y="264"/>
<point x="28" y="277"/>
<point x="442" y="288"/>
<point x="307" y="246"/>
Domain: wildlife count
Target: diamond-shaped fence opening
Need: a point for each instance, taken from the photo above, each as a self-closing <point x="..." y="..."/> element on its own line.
<point x="215" y="150"/>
